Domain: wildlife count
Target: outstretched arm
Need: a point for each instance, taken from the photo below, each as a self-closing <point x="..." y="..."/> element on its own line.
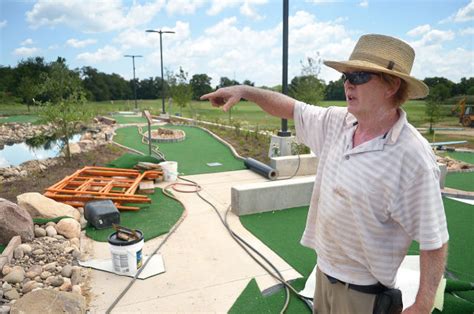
<point x="274" y="103"/>
<point x="431" y="270"/>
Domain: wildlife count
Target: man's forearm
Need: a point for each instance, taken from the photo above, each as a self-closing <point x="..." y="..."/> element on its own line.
<point x="432" y="265"/>
<point x="274" y="103"/>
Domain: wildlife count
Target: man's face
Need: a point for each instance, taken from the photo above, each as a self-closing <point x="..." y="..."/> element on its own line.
<point x="364" y="91"/>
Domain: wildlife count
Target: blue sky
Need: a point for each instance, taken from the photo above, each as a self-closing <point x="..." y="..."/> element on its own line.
<point x="239" y="39"/>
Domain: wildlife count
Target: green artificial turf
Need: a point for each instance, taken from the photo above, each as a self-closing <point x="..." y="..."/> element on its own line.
<point x="281" y="231"/>
<point x="129" y="160"/>
<point x="152" y="219"/>
<point x="462" y="156"/>
<point x="122" y="119"/>
<point x="252" y="301"/>
<point x="19" y="119"/>
<point x="193" y="154"/>
<point x="42" y="221"/>
<point x="460" y="180"/>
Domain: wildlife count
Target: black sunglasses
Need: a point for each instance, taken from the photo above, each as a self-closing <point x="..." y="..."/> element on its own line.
<point x="357" y="78"/>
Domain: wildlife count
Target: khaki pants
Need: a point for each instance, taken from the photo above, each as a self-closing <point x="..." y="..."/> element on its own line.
<point x="337" y="298"/>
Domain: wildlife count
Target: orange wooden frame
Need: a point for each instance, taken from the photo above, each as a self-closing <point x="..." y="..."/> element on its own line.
<point x="98" y="183"/>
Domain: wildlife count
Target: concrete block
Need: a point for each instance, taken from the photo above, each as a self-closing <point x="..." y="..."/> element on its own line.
<point x="268" y="196"/>
<point x="280" y="145"/>
<point x="287" y="165"/>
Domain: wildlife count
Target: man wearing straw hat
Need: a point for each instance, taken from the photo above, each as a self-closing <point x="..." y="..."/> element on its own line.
<point x="377" y="183"/>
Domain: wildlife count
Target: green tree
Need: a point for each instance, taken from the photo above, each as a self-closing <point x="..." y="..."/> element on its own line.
<point x="432" y="82"/>
<point x="64" y="110"/>
<point x="225" y="81"/>
<point x="28" y="89"/>
<point x="308" y="87"/>
<point x="335" y="90"/>
<point x="200" y="84"/>
<point x="181" y="90"/>
<point x="438" y="94"/>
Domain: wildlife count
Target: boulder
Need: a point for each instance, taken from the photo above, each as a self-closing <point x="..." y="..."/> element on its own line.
<point x="50" y="301"/>
<point x="14" y="220"/>
<point x="69" y="228"/>
<point x="40" y="206"/>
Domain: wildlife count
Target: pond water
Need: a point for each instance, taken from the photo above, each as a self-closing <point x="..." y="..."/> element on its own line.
<point x="18" y="153"/>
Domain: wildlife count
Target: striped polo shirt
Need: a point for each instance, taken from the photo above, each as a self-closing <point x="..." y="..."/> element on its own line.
<point x="369" y="202"/>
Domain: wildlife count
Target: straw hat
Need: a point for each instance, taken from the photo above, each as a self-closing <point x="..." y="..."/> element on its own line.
<point x="379" y="53"/>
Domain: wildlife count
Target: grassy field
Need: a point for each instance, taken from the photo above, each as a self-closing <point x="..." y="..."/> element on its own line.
<point x="245" y="113"/>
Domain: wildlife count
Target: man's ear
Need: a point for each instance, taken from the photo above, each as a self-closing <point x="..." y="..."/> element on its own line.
<point x="392" y="89"/>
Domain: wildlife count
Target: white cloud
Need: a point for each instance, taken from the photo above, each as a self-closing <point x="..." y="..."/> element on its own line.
<point x="467" y="31"/>
<point x="27" y="42"/>
<point x="138" y="38"/>
<point x="183" y="6"/>
<point x="323" y="1"/>
<point x="76" y="43"/>
<point x="26" y="51"/>
<point x="364" y="3"/>
<point x="434" y="37"/>
<point x="246" y="7"/>
<point x="435" y="60"/>
<point x="91" y="16"/>
<point x="105" y="54"/>
<point x="465" y="14"/>
<point x="3" y="24"/>
<point x="419" y="30"/>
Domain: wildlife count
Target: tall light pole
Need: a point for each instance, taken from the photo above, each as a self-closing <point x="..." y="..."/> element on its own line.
<point x="161" y="57"/>
<point x="284" y="123"/>
<point x="134" y="82"/>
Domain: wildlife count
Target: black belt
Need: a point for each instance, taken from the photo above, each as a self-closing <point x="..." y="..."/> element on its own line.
<point x="370" y="289"/>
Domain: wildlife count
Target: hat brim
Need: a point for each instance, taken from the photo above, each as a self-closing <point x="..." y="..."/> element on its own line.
<point x="416" y="88"/>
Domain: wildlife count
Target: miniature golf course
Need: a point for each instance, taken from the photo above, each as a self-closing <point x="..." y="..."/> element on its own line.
<point x="193" y="154"/>
<point x="281" y="230"/>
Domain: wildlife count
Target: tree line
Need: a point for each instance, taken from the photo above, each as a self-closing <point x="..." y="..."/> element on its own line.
<point x="24" y="82"/>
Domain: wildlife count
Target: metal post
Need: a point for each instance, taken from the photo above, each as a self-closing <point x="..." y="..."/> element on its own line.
<point x="134" y="82"/>
<point x="161" y="58"/>
<point x="284" y="123"/>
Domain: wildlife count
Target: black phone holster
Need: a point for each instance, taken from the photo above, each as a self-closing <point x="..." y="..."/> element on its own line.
<point x="388" y="302"/>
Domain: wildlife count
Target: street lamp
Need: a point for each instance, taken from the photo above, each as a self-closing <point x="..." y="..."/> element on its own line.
<point x="134" y="82"/>
<point x="161" y="57"/>
<point x="284" y="123"/>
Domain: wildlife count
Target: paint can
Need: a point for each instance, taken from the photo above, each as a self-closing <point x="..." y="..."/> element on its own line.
<point x="126" y="255"/>
<point x="170" y="170"/>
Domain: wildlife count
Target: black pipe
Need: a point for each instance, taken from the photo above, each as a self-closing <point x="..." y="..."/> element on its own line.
<point x="261" y="168"/>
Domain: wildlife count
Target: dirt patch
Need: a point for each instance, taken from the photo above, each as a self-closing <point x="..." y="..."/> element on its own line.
<point x="37" y="182"/>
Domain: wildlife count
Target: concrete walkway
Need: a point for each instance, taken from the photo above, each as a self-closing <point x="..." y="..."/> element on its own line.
<point x="205" y="269"/>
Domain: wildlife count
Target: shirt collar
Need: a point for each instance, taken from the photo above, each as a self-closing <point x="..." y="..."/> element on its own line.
<point x="392" y="135"/>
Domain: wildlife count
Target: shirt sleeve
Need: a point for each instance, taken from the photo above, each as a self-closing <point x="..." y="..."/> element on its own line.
<point x="313" y="123"/>
<point x="420" y="210"/>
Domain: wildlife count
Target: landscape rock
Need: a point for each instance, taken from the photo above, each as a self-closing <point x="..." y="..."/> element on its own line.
<point x="40" y="232"/>
<point x="18" y="253"/>
<point x="11" y="294"/>
<point x="51" y="231"/>
<point x="14" y="220"/>
<point x="4" y="309"/>
<point x="66" y="271"/>
<point x="50" y="301"/>
<point x="69" y="228"/>
<point x="15" y="276"/>
<point x="40" y="206"/>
